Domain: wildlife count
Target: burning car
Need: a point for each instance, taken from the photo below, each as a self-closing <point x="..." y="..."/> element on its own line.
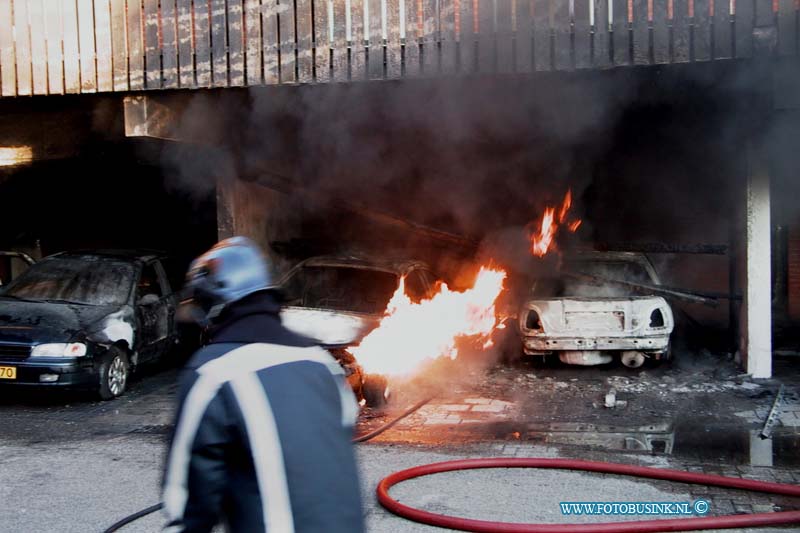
<point x="85" y="319"/>
<point x="338" y="300"/>
<point x="598" y="308"/>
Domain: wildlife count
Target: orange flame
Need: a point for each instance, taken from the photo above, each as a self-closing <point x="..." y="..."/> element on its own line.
<point x="565" y="206"/>
<point x="412" y="333"/>
<point x="542" y="241"/>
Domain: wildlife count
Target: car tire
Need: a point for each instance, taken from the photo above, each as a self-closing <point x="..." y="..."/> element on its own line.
<point x="115" y="371"/>
<point x="374" y="389"/>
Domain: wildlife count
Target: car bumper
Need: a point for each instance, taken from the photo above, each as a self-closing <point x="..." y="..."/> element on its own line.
<point x="534" y="345"/>
<point x="67" y="374"/>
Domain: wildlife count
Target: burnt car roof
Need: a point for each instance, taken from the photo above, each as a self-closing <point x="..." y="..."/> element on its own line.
<point x="599" y="256"/>
<point x="395" y="266"/>
<point x="126" y="255"/>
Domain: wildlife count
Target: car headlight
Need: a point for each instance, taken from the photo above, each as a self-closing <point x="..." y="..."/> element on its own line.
<point x="72" y="349"/>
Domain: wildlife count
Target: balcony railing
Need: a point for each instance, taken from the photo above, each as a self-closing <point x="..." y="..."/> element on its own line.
<point x="73" y="46"/>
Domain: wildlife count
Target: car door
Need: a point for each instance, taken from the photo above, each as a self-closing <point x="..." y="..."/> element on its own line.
<point x="156" y="311"/>
<point x="170" y="304"/>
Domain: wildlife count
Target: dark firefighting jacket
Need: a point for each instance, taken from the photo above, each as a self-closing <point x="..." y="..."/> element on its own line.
<point x="262" y="435"/>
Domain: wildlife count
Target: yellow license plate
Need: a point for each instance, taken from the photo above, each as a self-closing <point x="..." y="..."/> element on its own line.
<point x="8" y="372"/>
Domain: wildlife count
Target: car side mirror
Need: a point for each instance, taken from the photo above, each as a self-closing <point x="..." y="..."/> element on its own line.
<point x="148" y="299"/>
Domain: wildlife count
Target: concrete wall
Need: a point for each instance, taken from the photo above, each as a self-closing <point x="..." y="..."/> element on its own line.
<point x="252" y="210"/>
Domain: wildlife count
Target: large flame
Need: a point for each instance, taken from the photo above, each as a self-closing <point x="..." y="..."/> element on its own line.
<point x="412" y="333"/>
<point x="542" y="240"/>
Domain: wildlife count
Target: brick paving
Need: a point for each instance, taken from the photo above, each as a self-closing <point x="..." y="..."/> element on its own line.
<point x="704" y="423"/>
<point x="705" y="418"/>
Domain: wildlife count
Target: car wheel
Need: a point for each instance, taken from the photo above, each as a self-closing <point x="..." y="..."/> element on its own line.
<point x="375" y="390"/>
<point x="633" y="358"/>
<point x="114" y="374"/>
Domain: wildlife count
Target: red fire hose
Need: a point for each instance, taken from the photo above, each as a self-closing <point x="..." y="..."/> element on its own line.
<point x="645" y="526"/>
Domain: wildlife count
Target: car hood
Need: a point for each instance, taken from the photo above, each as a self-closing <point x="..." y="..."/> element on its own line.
<point x="39" y="322"/>
<point x="331" y="328"/>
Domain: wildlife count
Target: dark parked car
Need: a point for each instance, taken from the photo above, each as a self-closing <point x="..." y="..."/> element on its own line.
<point x="85" y="319"/>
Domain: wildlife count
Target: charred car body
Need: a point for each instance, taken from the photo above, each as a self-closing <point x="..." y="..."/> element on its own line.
<point x="338" y="300"/>
<point x="85" y="319"/>
<point x="595" y="310"/>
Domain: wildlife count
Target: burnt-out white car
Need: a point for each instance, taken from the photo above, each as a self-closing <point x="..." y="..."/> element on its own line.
<point x="598" y="308"/>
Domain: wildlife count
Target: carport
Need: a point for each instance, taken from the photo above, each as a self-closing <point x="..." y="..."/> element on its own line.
<point x="738" y="60"/>
<point x="679" y="162"/>
<point x="438" y="130"/>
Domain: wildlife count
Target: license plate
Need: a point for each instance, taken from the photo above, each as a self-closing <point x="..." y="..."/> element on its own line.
<point x="8" y="372"/>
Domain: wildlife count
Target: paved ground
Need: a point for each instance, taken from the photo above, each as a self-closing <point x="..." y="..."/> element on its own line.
<point x="68" y="463"/>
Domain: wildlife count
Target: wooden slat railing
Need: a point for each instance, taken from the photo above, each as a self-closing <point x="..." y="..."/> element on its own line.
<point x="83" y="46"/>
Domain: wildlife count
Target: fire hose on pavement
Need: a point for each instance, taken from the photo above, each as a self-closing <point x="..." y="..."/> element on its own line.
<point x="640" y="526"/>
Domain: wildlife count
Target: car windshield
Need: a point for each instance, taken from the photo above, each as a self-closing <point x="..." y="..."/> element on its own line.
<point x="356" y="290"/>
<point x="81" y="280"/>
<point x="588" y="280"/>
<point x="617" y="270"/>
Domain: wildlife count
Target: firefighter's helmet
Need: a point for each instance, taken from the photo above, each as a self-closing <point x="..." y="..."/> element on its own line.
<point x="232" y="269"/>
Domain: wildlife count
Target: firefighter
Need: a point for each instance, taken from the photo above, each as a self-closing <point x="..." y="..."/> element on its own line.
<point x="262" y="435"/>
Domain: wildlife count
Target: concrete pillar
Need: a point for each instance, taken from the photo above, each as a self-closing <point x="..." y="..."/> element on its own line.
<point x="225" y="209"/>
<point x="756" y="330"/>
<point x="252" y="210"/>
